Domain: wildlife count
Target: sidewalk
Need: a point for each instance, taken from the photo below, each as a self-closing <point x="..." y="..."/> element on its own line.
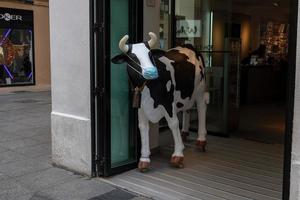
<point x="26" y="172"/>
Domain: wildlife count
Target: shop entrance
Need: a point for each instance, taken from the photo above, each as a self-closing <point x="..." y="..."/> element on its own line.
<point x="245" y="47"/>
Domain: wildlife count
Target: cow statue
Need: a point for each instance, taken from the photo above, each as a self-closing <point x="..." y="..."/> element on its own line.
<point x="168" y="82"/>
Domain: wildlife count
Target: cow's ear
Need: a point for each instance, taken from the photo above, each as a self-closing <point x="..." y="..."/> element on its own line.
<point x="157" y="52"/>
<point x="119" y="59"/>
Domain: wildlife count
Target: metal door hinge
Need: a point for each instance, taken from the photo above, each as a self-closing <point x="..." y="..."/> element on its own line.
<point x="98" y="27"/>
<point x="99" y="91"/>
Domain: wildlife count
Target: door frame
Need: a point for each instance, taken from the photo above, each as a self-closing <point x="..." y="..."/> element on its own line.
<point x="99" y="34"/>
<point x="100" y="84"/>
<point x="290" y="96"/>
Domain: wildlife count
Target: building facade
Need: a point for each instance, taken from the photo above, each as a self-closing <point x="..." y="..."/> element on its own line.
<point x="25" y="46"/>
<point x="83" y="118"/>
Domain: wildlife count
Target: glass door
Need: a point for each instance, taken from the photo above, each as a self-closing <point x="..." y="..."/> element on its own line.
<point x="206" y="25"/>
<point x="122" y="140"/>
<point x="116" y="121"/>
<point x="122" y="130"/>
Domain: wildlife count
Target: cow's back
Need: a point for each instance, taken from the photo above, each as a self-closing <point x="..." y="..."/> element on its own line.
<point x="181" y="72"/>
<point x="188" y="74"/>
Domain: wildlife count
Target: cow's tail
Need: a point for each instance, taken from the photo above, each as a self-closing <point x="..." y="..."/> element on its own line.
<point x="206" y="97"/>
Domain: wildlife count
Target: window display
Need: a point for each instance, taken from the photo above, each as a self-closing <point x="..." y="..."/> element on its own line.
<point x="16" y="47"/>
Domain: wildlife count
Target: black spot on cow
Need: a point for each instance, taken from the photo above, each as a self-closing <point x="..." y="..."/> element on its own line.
<point x="179" y="105"/>
<point x="184" y="73"/>
<point x="199" y="57"/>
<point x="158" y="90"/>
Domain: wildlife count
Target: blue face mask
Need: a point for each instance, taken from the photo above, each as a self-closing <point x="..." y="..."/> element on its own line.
<point x="150" y="73"/>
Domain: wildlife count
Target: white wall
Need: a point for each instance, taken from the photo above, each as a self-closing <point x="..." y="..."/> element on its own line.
<point x="295" y="165"/>
<point x="70" y="69"/>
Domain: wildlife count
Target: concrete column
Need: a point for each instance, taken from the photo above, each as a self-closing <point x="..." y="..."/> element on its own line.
<point x="295" y="165"/>
<point x="70" y="69"/>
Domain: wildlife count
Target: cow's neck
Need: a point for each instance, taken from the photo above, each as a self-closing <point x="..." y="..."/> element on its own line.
<point x="137" y="85"/>
<point x="137" y="94"/>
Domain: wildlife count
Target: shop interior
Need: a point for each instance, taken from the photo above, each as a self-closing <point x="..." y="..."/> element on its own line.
<point x="245" y="47"/>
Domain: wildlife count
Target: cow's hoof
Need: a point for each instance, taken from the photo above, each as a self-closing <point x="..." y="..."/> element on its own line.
<point x="201" y="145"/>
<point x="144" y="166"/>
<point x="177" y="161"/>
<point x="184" y="135"/>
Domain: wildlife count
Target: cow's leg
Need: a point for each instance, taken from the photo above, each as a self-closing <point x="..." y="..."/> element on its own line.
<point x="202" y="101"/>
<point x="177" y="157"/>
<point x="185" y="125"/>
<point x="144" y="163"/>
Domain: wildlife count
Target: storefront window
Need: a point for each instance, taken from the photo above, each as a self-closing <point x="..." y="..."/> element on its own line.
<point x="16" y="47"/>
<point x="16" y="56"/>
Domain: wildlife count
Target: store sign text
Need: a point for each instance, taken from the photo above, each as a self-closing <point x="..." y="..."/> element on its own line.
<point x="9" y="17"/>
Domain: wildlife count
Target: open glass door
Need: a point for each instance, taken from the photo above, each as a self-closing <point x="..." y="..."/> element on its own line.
<point x="123" y="139"/>
<point x="207" y="26"/>
<point x="116" y="121"/>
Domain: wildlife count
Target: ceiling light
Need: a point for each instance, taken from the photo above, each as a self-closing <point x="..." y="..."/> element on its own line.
<point x="275" y="4"/>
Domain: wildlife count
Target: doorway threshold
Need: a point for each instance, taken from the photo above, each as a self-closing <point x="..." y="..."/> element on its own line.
<point x="232" y="168"/>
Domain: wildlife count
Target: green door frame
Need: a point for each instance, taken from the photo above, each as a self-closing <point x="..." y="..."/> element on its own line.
<point x="100" y="84"/>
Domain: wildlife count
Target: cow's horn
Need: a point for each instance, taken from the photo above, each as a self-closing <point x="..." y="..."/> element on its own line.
<point x="122" y="44"/>
<point x="153" y="39"/>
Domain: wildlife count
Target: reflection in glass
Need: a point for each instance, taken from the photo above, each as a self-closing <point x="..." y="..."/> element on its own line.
<point x="205" y="25"/>
<point x="121" y="140"/>
<point x="16" y="57"/>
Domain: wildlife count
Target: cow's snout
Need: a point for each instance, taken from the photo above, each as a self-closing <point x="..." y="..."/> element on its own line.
<point x="150" y="73"/>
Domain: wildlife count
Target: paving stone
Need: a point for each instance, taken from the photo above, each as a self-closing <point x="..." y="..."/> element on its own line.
<point x="78" y="189"/>
<point x="14" y="144"/>
<point x="114" y="194"/>
<point x="34" y="151"/>
<point x="39" y="196"/>
<point x="45" y="179"/>
<point x="26" y="172"/>
<point x="4" y="177"/>
<point x="19" y="168"/>
<point x="10" y="156"/>
<point x="140" y="198"/>
<point x="35" y="131"/>
<point x="10" y="189"/>
<point x="9" y="136"/>
<point x="2" y="149"/>
<point x="44" y="138"/>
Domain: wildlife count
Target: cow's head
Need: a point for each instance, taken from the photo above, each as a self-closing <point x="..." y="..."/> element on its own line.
<point x="139" y="58"/>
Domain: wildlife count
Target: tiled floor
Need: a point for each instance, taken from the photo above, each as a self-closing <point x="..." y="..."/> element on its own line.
<point x="26" y="172"/>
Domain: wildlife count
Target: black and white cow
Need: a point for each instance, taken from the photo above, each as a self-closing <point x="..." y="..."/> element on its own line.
<point x="169" y="81"/>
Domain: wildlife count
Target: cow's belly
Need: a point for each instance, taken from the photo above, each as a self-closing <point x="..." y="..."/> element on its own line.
<point x="154" y="114"/>
<point x="187" y="103"/>
<point x="183" y="104"/>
